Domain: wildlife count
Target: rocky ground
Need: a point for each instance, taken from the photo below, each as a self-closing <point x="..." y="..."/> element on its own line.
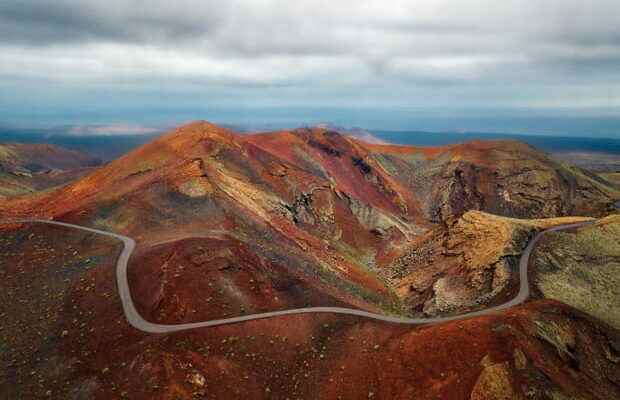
<point x="334" y="210"/>
<point x="467" y="264"/>
<point x="228" y="224"/>
<point x="69" y="340"/>
<point x="501" y="177"/>
<point x="230" y="278"/>
<point x="49" y="280"/>
<point x="543" y="350"/>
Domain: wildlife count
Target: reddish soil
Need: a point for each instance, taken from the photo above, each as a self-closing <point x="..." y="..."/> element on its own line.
<point x="230" y="278"/>
<point x="228" y="224"/>
<point x="542" y="348"/>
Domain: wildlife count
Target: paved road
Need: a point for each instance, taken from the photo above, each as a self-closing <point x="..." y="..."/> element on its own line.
<point x="136" y="320"/>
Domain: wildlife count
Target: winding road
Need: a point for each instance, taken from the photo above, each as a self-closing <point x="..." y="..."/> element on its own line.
<point x="136" y="320"/>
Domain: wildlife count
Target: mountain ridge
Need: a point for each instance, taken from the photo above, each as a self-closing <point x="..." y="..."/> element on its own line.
<point x="228" y="225"/>
<point x="338" y="209"/>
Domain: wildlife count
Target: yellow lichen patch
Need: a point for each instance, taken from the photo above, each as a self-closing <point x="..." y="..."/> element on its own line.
<point x="494" y="383"/>
<point x="196" y="187"/>
<point x="520" y="359"/>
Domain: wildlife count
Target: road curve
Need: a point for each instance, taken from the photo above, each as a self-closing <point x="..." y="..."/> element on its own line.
<point x="136" y="320"/>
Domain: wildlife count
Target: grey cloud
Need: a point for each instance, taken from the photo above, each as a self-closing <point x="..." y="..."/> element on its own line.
<point x="397" y="50"/>
<point x="45" y="22"/>
<point x="272" y="28"/>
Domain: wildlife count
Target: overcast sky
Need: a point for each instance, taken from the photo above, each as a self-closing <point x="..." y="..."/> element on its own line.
<point x="157" y="60"/>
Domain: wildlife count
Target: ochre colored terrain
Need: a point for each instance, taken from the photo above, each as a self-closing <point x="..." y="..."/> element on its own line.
<point x="229" y="224"/>
<point x="464" y="265"/>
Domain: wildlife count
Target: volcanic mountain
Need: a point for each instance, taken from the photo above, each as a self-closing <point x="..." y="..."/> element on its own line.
<point x="229" y="224"/>
<point x="315" y="209"/>
<point x="26" y="168"/>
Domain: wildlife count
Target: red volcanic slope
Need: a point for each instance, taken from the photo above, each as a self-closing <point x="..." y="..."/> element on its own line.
<point x="331" y="209"/>
<point x="370" y="173"/>
<point x="229" y="224"/>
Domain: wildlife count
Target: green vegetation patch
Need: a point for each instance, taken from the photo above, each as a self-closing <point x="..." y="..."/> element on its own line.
<point x="583" y="269"/>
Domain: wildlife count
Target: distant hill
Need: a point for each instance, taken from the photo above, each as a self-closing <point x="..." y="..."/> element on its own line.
<point x="551" y="144"/>
<point x="103" y="147"/>
<point x="26" y="168"/>
<point x="110" y="147"/>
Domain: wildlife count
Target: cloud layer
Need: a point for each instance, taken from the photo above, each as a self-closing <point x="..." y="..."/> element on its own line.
<point x="439" y="53"/>
<point x="110" y="130"/>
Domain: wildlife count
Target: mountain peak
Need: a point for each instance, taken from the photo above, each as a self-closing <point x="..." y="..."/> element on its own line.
<point x="186" y="137"/>
<point x="202" y="129"/>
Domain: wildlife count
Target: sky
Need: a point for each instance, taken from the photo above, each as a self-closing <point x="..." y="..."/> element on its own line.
<point x="525" y="66"/>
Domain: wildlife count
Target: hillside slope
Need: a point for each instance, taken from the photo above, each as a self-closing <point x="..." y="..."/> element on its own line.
<point x="26" y="168"/>
<point x="506" y="178"/>
<point x="336" y="213"/>
<point x="67" y="337"/>
<point x="468" y="264"/>
<point x="582" y="269"/>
